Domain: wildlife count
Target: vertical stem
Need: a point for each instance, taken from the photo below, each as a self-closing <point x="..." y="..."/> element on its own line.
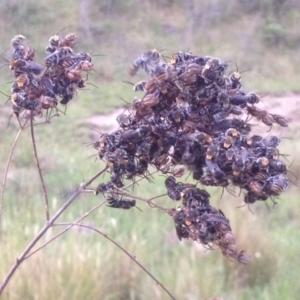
<point x="6" y="170"/>
<point x="39" y="168"/>
<point x="31" y="244"/>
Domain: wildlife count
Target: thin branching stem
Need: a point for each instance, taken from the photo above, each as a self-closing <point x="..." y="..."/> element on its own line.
<point x="122" y="249"/>
<point x="7" y="167"/>
<point x="39" y="168"/>
<point x="43" y="230"/>
<point x="66" y="229"/>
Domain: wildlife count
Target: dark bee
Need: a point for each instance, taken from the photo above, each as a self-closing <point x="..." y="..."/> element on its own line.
<point x="275" y="185"/>
<point x="53" y="44"/>
<point x="68" y="40"/>
<point x="271" y="141"/>
<point x="125" y="120"/>
<point x="212" y="151"/>
<point x="68" y="93"/>
<point x="105" y="188"/>
<point x="116" y="202"/>
<point x="173" y="190"/>
<point x="148" y="61"/>
<point x="57" y="56"/>
<point x="280" y="120"/>
<point x="256" y="187"/>
<point x="277" y="167"/>
<point x="180" y="226"/>
<point x="214" y="169"/>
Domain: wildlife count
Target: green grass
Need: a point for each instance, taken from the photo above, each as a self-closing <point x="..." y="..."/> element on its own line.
<point x="84" y="265"/>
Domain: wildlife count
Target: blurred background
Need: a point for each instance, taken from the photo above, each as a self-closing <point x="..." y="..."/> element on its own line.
<point x="259" y="37"/>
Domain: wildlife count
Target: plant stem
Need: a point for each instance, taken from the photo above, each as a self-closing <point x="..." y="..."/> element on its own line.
<point x="121" y="248"/>
<point x="65" y="230"/>
<point x="6" y="169"/>
<point x="39" y="168"/>
<point x="48" y="224"/>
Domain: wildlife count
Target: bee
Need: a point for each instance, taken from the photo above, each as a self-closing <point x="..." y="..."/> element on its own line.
<point x="271" y="141"/>
<point x="212" y="151"/>
<point x="116" y="176"/>
<point x="130" y="168"/>
<point x="105" y="188"/>
<point x="182" y="230"/>
<point x="194" y="197"/>
<point x="256" y="187"/>
<point x="173" y="189"/>
<point x="48" y="102"/>
<point x="208" y="180"/>
<point x="275" y="185"/>
<point x="68" y="93"/>
<point x="116" y="202"/>
<point x="16" y="110"/>
<point x="261" y="115"/>
<point x="125" y="120"/>
<point x="250" y="198"/>
<point x="255" y="141"/>
<point x="179" y="172"/>
<point x="141" y="166"/>
<point x="57" y="56"/>
<point x="253" y="98"/>
<point x="140" y="86"/>
<point x="19" y="50"/>
<point x="234" y="80"/>
<point x="214" y="168"/>
<point x="227" y="141"/>
<point x="53" y="44"/>
<point x="276" y="167"/>
<point x="68" y="41"/>
<point x="261" y="176"/>
<point x="180" y="57"/>
<point x="223" y="99"/>
<point x="189" y="76"/>
<point x="280" y="120"/>
<point x="240" y="162"/>
<point x="148" y="61"/>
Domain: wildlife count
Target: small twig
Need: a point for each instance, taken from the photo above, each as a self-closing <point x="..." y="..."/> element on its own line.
<point x="66" y="229"/>
<point x="39" y="168"/>
<point x="6" y="169"/>
<point x="43" y="230"/>
<point x="121" y="248"/>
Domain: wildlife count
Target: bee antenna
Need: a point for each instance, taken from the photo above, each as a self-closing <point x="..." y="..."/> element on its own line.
<point x="125" y="101"/>
<point x="5" y="59"/>
<point x="236" y="66"/>
<point x="293" y="181"/>
<point x="4" y="94"/>
<point x="62" y="30"/>
<point x="128" y="82"/>
<point x="93" y="85"/>
<point x="138" y="208"/>
<point x="9" y="119"/>
<point x="98" y="55"/>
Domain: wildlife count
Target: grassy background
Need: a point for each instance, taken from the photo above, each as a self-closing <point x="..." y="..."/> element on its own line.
<point x="262" y="36"/>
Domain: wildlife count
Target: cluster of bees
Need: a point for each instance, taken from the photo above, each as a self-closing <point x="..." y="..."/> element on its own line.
<point x="193" y="118"/>
<point x="201" y="222"/>
<point x="36" y="87"/>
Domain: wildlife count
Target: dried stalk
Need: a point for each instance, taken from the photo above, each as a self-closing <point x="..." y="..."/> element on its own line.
<point x="66" y="229"/>
<point x="121" y="248"/>
<point x="39" y="168"/>
<point x="44" y="229"/>
<point x="7" y="167"/>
